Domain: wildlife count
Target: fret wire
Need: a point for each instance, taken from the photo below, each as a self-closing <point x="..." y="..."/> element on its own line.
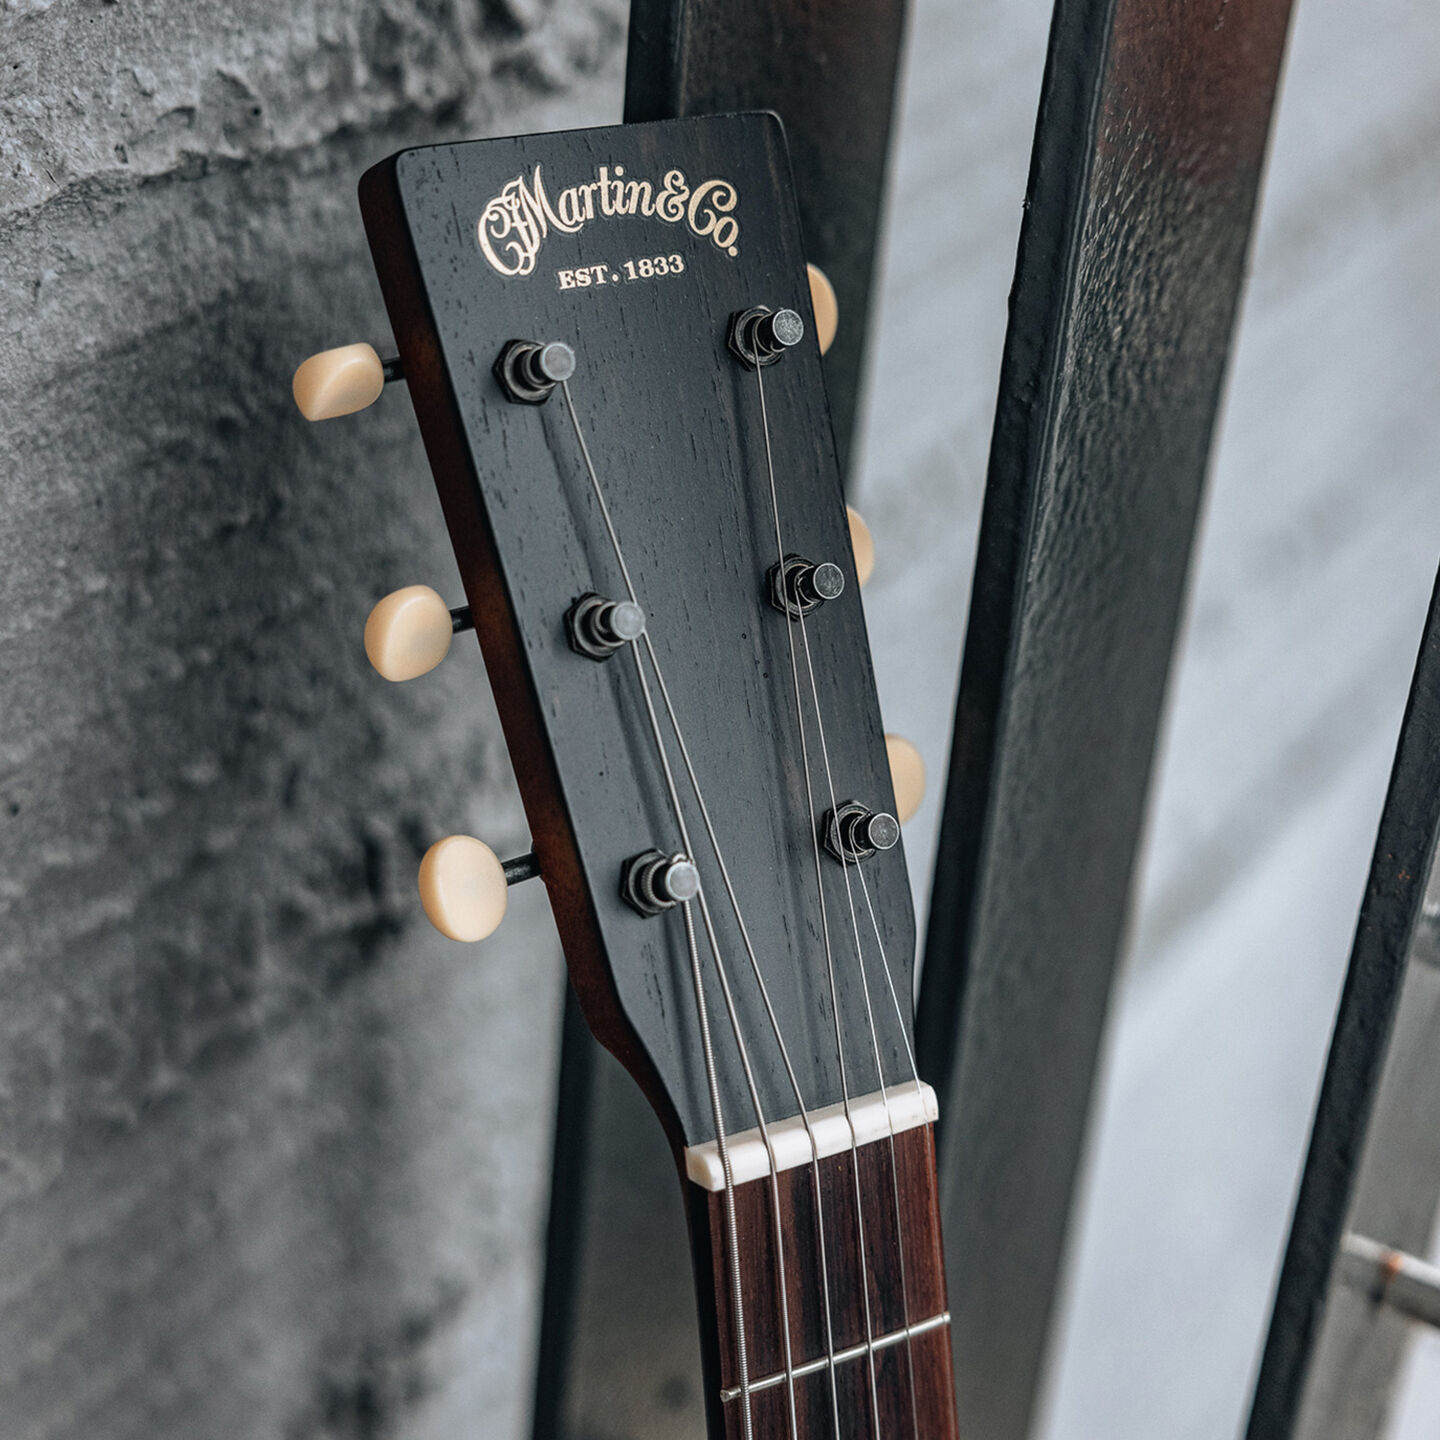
<point x="829" y="949"/>
<point x="854" y="1352"/>
<point x="721" y="1142"/>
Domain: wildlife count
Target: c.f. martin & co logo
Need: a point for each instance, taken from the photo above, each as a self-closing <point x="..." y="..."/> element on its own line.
<point x="516" y="222"/>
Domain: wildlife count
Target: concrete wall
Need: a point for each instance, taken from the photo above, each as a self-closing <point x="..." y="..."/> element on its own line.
<point x="271" y="1153"/>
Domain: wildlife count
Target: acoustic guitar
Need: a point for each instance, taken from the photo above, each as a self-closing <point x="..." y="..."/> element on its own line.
<point x="612" y="344"/>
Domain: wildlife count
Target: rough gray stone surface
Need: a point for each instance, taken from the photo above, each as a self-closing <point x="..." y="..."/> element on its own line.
<point x="271" y="1154"/>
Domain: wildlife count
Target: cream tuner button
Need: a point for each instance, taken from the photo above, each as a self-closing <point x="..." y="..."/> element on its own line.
<point x="825" y="306"/>
<point x="463" y="887"/>
<point x="861" y="544"/>
<point x="342" y="381"/>
<point x="907" y="774"/>
<point x="409" y="631"/>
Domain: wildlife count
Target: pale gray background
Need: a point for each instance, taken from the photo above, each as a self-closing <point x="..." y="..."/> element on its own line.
<point x="271" y="1154"/>
<point x="1316" y="560"/>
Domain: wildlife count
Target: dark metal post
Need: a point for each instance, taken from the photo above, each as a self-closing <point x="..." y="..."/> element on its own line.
<point x="1148" y="155"/>
<point x="1331" y="1356"/>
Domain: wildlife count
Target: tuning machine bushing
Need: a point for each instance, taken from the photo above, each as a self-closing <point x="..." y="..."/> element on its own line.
<point x="761" y="336"/>
<point x="797" y="585"/>
<point x="528" y="370"/>
<point x="652" y="882"/>
<point x="852" y="832"/>
<point x="597" y="627"/>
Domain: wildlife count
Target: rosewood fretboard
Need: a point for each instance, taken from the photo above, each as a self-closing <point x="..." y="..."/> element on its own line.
<point x="920" y="1302"/>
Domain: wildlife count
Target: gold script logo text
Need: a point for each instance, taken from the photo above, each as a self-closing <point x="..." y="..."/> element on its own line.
<point x="515" y="224"/>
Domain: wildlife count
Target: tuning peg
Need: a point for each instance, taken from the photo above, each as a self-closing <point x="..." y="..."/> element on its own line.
<point x="861" y="544"/>
<point x="341" y="381"/>
<point x="907" y="775"/>
<point x="825" y="306"/>
<point x="409" y="631"/>
<point x="465" y="886"/>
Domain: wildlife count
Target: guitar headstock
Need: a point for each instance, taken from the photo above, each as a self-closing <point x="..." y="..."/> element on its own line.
<point x="610" y="342"/>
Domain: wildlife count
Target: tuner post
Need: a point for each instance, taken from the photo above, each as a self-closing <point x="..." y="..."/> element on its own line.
<point x="760" y="336"/>
<point x="652" y="882"/>
<point x="797" y="585"/>
<point x="597" y="627"/>
<point x="528" y="370"/>
<point x="852" y="832"/>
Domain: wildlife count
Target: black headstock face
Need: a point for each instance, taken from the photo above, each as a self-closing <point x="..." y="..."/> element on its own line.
<point x="636" y="246"/>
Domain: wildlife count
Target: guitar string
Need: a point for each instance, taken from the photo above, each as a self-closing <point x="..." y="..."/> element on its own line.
<point x="805" y="1116"/>
<point x="874" y="1037"/>
<point x="830" y="1365"/>
<point x="707" y="1046"/>
<point x="825" y="930"/>
<point x="890" y="982"/>
<point x="855" y="927"/>
<point x="915" y="1079"/>
<point x="732" y="1230"/>
<point x="875" y="1044"/>
<point x="774" y="1177"/>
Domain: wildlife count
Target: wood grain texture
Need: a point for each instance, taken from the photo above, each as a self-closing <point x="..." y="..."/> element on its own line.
<point x="911" y="1232"/>
<point x="1299" y="648"/>
<point x="673" y="424"/>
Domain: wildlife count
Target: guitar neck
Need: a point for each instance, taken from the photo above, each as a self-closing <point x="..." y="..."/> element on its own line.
<point x="857" y="1276"/>
<point x="626" y="417"/>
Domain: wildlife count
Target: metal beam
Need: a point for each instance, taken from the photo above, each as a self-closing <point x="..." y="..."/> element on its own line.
<point x="1148" y="155"/>
<point x="1373" y="1166"/>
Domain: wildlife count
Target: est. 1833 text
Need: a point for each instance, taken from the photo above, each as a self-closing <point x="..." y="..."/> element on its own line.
<point x="651" y="267"/>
